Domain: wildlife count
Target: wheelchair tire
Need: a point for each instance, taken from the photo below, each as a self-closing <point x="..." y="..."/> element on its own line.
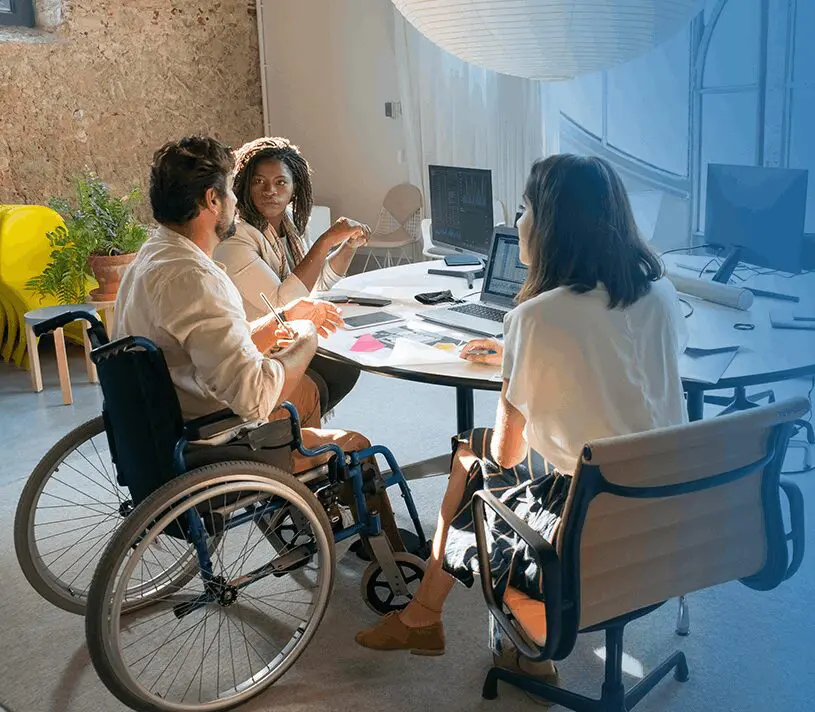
<point x="106" y="505"/>
<point x="239" y="489"/>
<point x="376" y="589"/>
<point x="54" y="586"/>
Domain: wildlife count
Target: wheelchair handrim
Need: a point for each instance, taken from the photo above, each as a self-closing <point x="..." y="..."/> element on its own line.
<point x="290" y="653"/>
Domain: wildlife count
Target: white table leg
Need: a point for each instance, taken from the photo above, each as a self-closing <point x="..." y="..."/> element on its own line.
<point x="33" y="358"/>
<point x="62" y="367"/>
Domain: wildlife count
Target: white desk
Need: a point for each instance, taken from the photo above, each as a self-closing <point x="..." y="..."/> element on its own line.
<point x="767" y="355"/>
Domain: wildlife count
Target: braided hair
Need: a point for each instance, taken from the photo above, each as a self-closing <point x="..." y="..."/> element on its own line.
<point x="276" y="148"/>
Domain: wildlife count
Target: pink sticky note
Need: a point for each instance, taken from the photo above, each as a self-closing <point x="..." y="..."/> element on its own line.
<point x="367" y="344"/>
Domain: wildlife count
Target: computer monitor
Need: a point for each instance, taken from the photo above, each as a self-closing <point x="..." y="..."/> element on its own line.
<point x="757" y="214"/>
<point x="461" y="208"/>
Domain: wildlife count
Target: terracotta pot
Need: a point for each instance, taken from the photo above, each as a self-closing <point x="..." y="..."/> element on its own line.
<point x="108" y="271"/>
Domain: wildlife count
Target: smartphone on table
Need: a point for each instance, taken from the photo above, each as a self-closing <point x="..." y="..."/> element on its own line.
<point x="373" y="319"/>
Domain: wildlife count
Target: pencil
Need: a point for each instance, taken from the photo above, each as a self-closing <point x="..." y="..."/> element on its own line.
<point x="276" y="315"/>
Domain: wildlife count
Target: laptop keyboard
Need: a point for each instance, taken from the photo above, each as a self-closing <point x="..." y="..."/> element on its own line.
<point x="479" y="310"/>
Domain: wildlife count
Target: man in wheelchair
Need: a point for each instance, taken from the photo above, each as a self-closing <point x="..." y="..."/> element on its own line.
<point x="175" y="295"/>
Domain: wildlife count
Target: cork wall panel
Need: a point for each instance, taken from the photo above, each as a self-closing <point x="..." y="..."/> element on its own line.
<point x="118" y="79"/>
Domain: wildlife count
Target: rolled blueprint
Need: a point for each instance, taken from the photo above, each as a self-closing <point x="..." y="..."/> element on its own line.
<point x="724" y="294"/>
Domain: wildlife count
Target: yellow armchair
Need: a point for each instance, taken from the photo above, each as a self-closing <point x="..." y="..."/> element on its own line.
<point x="24" y="253"/>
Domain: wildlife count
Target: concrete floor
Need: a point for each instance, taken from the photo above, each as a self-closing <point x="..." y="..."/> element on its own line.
<point x="748" y="651"/>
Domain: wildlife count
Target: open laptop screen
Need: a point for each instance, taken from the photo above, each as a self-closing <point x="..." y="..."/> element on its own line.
<point x="505" y="273"/>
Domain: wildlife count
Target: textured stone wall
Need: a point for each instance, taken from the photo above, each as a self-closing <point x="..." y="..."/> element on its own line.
<point x="114" y="80"/>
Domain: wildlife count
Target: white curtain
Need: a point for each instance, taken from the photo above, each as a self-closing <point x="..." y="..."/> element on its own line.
<point x="457" y="114"/>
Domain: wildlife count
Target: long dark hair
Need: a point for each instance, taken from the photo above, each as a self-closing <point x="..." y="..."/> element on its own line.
<point x="583" y="233"/>
<point x="280" y="149"/>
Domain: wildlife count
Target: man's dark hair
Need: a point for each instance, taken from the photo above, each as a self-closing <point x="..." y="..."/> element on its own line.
<point x="583" y="232"/>
<point x="280" y="149"/>
<point x="181" y="174"/>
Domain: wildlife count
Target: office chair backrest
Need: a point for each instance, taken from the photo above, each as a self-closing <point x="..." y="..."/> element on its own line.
<point x="142" y="415"/>
<point x="712" y="514"/>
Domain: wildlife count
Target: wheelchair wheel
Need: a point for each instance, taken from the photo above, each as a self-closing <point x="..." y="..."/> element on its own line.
<point x="378" y="591"/>
<point x="225" y="635"/>
<point x="68" y="511"/>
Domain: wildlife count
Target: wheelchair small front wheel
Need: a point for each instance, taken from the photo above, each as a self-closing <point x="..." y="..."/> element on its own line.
<point x="377" y="590"/>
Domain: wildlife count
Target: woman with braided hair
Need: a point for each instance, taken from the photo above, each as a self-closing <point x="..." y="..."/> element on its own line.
<point x="269" y="255"/>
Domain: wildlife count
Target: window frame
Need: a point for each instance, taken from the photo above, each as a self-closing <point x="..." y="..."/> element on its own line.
<point x="21" y="14"/>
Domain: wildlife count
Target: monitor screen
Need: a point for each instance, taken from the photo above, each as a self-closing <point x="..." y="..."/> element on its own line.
<point x="461" y="208"/>
<point x="505" y="271"/>
<point x="760" y="210"/>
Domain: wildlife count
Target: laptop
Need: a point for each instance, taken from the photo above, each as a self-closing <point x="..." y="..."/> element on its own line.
<point x="503" y="280"/>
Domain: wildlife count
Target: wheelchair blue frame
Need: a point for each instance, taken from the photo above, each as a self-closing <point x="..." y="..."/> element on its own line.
<point x="346" y="466"/>
<point x="369" y="525"/>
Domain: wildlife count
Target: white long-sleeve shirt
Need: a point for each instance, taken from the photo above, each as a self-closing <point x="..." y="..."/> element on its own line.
<point x="175" y="295"/>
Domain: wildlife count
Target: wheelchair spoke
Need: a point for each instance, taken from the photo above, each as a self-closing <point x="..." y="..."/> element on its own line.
<point x="110" y="489"/>
<point x="79" y="491"/>
<point x="70" y="531"/>
<point x="178" y="651"/>
<point x="71" y="503"/>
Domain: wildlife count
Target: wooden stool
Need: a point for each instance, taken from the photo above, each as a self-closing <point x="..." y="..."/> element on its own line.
<point x="106" y="309"/>
<point x="37" y="316"/>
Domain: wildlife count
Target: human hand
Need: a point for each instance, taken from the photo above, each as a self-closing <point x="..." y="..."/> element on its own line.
<point x="486" y="351"/>
<point x="294" y="334"/>
<point x="324" y="315"/>
<point x="345" y="230"/>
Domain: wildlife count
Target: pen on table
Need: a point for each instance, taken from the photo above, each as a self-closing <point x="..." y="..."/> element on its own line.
<point x="276" y="315"/>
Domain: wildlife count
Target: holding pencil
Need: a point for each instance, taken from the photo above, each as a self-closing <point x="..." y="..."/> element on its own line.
<point x="273" y="311"/>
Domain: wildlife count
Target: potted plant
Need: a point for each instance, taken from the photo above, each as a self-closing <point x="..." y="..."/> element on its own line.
<point x="100" y="237"/>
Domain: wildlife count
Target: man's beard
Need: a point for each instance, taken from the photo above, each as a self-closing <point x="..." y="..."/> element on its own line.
<point x="224" y="232"/>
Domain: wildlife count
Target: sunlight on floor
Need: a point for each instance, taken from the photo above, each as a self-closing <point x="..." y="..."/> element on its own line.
<point x="631" y="666"/>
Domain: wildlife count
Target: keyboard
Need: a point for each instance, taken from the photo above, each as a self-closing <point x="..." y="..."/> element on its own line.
<point x="480" y="311"/>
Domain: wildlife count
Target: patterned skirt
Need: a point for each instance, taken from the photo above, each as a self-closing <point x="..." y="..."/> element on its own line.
<point x="533" y="491"/>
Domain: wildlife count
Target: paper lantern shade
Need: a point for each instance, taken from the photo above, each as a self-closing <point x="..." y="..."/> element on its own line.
<point x="547" y="39"/>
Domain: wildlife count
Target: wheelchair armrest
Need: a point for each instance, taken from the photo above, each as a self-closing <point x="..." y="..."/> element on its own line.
<point x="297" y="441"/>
<point x="797" y="533"/>
<point x="208" y="426"/>
<point x="548" y="561"/>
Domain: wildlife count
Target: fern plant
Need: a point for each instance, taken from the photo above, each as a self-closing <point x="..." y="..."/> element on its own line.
<point x="96" y="224"/>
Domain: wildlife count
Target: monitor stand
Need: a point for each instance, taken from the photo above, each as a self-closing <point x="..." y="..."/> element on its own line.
<point x="725" y="272"/>
<point x="469" y="274"/>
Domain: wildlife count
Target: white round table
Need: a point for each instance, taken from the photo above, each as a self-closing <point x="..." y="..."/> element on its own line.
<point x="766" y="355"/>
<point x="401" y="284"/>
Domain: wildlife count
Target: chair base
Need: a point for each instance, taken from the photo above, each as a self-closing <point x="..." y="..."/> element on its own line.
<point x="613" y="698"/>
<point x="739" y="400"/>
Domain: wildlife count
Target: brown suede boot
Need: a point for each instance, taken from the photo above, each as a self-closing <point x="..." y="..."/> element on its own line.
<point x="391" y="634"/>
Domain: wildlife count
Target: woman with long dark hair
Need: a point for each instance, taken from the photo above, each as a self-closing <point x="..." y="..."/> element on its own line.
<point x="591" y="351"/>
<point x="269" y="252"/>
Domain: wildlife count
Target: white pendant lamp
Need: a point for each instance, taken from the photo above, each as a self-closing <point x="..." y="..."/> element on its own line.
<point x="547" y="39"/>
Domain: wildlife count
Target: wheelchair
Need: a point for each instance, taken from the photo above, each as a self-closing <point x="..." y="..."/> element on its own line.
<point x="203" y="567"/>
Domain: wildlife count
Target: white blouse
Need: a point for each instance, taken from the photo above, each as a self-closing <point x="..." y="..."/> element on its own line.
<point x="579" y="371"/>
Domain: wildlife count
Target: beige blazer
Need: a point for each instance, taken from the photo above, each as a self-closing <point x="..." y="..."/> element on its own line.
<point x="254" y="265"/>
